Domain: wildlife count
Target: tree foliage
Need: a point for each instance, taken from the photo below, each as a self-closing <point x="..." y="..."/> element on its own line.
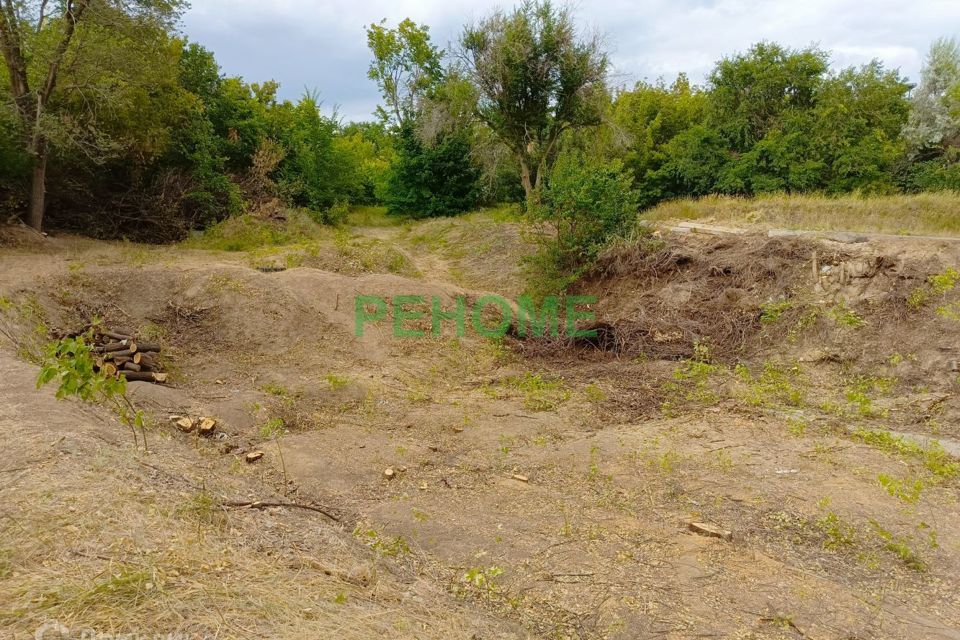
<point x="429" y="179"/>
<point x="536" y="78"/>
<point x="405" y="66"/>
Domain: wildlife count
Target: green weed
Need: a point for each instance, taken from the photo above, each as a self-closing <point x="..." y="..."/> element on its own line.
<point x="539" y="393"/>
<point x="770" y="312"/>
<point x="933" y="456"/>
<point x="907" y="489"/>
<point x="392" y="547"/>
<point x="846" y="317"/>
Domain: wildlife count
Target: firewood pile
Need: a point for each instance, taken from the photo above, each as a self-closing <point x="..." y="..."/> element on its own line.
<point x="120" y="353"/>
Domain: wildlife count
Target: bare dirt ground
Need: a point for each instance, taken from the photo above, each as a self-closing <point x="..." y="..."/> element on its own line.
<point x="540" y="489"/>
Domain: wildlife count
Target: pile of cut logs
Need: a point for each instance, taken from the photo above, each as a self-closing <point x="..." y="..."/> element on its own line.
<point x="119" y="353"/>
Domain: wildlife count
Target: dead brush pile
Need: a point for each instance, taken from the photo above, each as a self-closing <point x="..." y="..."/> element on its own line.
<point x="661" y="300"/>
<point x="735" y="298"/>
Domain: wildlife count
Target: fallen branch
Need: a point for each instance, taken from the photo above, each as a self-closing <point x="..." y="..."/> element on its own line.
<point x="257" y="504"/>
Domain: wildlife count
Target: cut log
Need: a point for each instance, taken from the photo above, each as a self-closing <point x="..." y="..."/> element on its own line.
<point x="119" y="360"/>
<point x="108" y="369"/>
<point x="114" y="335"/>
<point x="137" y="357"/>
<point x="149" y="346"/>
<point x="130" y="365"/>
<point x="113" y="346"/>
<point x="126" y="353"/>
<point x="185" y="424"/>
<point x="144" y="376"/>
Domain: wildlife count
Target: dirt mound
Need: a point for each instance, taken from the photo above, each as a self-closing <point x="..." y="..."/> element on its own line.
<point x="740" y="296"/>
<point x="20" y="236"/>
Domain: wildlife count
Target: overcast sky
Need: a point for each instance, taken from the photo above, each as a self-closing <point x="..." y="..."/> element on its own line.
<point x="320" y="44"/>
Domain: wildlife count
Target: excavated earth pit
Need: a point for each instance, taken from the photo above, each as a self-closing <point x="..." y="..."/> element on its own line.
<point x="760" y="447"/>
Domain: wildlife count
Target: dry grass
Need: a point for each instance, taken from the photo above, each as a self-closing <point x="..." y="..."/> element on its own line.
<point x="930" y="214"/>
<point x="111" y="545"/>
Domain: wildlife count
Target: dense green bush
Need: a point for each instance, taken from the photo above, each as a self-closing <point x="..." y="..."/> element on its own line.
<point x="583" y="206"/>
<point x="769" y="120"/>
<point x="428" y="180"/>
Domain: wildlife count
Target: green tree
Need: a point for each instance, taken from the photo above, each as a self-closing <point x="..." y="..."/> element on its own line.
<point x="405" y="66"/>
<point x="535" y="79"/>
<point x="691" y="165"/>
<point x="649" y="116"/>
<point x="751" y="93"/>
<point x="37" y="38"/>
<point x="856" y="126"/>
<point x="427" y="179"/>
<point x="934" y="121"/>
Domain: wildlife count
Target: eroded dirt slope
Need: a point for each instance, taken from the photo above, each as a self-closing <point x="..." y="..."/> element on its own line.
<point x="540" y="489"/>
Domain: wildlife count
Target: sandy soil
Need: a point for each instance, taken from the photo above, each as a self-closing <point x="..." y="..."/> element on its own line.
<point x="538" y="489"/>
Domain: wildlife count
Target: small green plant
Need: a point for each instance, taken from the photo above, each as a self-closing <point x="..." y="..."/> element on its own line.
<point x="838" y="533"/>
<point x="70" y="363"/>
<point x="777" y="384"/>
<point x="539" y="393"/>
<point x="932" y="456"/>
<point x="275" y="389"/>
<point x="797" y="426"/>
<point x="907" y="489"/>
<point x="770" y="312"/>
<point x="594" y="393"/>
<point x="846" y="317"/>
<point x="900" y="547"/>
<point x="204" y="509"/>
<point x="419" y="516"/>
<point x="690" y="386"/>
<point x="593" y="471"/>
<point x="937" y="285"/>
<point x="482" y="579"/>
<point x="665" y="462"/>
<point x="336" y="382"/>
<point x="506" y="444"/>
<point x="803" y="323"/>
<point x="273" y="428"/>
<point x="861" y="389"/>
<point x="392" y="547"/>
<point x="950" y="311"/>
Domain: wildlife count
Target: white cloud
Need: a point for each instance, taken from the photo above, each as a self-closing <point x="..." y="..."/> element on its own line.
<point x="320" y="44"/>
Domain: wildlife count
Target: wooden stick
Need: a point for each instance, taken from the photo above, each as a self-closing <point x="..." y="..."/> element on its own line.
<point x="267" y="505"/>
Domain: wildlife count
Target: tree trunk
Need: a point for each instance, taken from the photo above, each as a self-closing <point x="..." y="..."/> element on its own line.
<point x="530" y="184"/>
<point x="38" y="189"/>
